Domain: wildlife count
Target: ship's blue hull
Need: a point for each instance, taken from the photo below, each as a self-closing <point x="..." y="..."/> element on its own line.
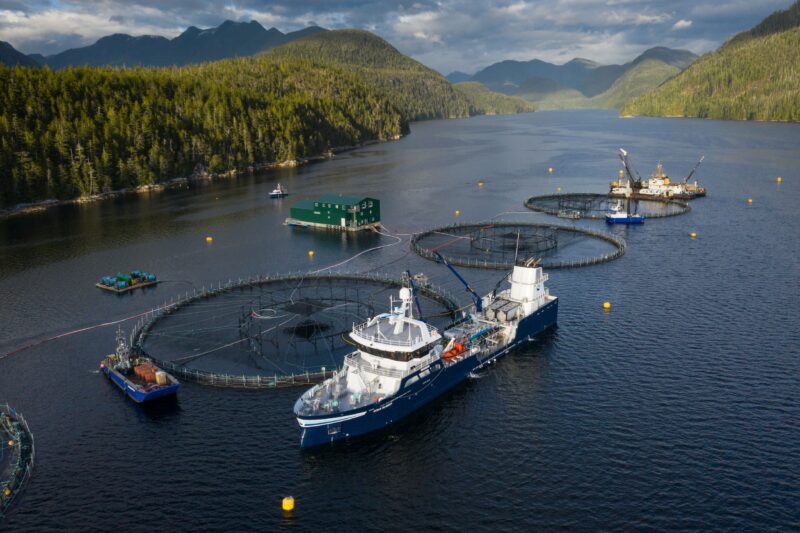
<point x="326" y="429"/>
<point x="628" y="221"/>
<point x="140" y="396"/>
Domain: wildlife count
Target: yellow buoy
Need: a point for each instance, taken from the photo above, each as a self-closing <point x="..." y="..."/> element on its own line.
<point x="287" y="504"/>
<point x="606" y="306"/>
<point x="779" y="179"/>
<point x="614" y="184"/>
<point x="11" y="443"/>
<point x="621" y="173"/>
<point x="749" y="200"/>
<point x="550" y="170"/>
<point x="209" y="239"/>
<point x="558" y="189"/>
<point x="693" y="235"/>
<point x="311" y="253"/>
<point x="458" y="213"/>
<point x="7" y="492"/>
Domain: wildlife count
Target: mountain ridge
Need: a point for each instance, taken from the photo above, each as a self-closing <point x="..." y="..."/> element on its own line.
<point x="12" y="57"/>
<point x="587" y="76"/>
<point x="418" y="91"/>
<point x="193" y="45"/>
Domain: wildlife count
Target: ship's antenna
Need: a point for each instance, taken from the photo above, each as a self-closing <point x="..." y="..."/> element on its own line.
<point x="516" y="250"/>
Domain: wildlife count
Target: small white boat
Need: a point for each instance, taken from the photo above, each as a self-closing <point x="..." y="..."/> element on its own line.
<point x="621" y="214"/>
<point x="279" y="192"/>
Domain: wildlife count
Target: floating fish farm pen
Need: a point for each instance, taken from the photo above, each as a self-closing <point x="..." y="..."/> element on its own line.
<point x="17" y="456"/>
<point x="595" y="206"/>
<point x="501" y="245"/>
<point x="271" y="331"/>
<point x="339" y="213"/>
<point x="122" y="283"/>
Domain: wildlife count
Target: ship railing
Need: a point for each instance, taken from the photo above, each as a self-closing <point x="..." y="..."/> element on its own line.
<point x="359" y="330"/>
<point x="356" y="361"/>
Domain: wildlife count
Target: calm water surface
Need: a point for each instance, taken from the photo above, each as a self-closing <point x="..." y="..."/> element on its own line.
<point x="678" y="409"/>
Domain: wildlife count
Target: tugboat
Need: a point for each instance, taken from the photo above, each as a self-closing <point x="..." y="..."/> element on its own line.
<point x="403" y="363"/>
<point x="279" y="192"/>
<point x="621" y="214"/>
<point x="138" y="377"/>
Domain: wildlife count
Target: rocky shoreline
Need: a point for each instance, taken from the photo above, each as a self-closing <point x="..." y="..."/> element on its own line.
<point x="176" y="183"/>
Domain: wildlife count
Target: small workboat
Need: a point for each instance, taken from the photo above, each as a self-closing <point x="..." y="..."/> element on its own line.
<point x="621" y="214"/>
<point x="138" y="377"/>
<point x="279" y="192"/>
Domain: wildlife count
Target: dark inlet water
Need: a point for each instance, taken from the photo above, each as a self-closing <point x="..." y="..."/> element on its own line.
<point x="678" y="409"/>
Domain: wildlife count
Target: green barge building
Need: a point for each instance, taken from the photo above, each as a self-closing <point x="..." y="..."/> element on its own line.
<point x="340" y="213"/>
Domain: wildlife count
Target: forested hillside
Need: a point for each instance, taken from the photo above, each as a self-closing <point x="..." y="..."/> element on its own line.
<point x="419" y="92"/>
<point x="79" y="131"/>
<point x="757" y="78"/>
<point x="486" y="102"/>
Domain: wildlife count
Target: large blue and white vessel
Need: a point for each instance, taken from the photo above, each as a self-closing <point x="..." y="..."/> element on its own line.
<point x="402" y="363"/>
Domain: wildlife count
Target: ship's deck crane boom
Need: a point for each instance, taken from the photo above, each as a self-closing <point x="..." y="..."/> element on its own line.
<point x="693" y="170"/>
<point x="475" y="295"/>
<point x="414" y="293"/>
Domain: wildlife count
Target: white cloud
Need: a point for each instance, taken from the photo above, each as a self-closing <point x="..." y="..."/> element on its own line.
<point x="48" y="26"/>
<point x="682" y="24"/>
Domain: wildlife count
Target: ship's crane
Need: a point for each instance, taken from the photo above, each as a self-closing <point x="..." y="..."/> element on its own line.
<point x="694" y="170"/>
<point x="635" y="183"/>
<point x="475" y="296"/>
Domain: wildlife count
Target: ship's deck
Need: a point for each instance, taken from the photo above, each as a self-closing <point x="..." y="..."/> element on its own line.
<point x="319" y="400"/>
<point x="382" y="331"/>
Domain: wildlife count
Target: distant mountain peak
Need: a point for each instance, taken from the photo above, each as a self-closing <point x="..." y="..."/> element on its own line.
<point x="582" y="61"/>
<point x="193" y="45"/>
<point x="12" y="57"/>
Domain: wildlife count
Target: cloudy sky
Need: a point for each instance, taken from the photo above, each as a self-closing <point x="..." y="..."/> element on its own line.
<point x="444" y="34"/>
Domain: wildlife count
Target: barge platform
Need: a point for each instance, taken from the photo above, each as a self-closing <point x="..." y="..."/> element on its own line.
<point x="122" y="283"/>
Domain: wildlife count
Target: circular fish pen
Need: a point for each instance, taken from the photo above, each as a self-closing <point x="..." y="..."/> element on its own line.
<point x="17" y="456"/>
<point x="268" y="332"/>
<point x="501" y="245"/>
<point x="595" y="206"/>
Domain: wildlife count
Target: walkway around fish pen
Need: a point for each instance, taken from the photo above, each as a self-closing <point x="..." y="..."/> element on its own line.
<point x="582" y="202"/>
<point x="257" y="381"/>
<point x="620" y="247"/>
<point x="18" y="441"/>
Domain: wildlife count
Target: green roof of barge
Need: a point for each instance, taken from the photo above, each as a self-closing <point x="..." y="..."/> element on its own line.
<point x="304" y="204"/>
<point x="341" y="199"/>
